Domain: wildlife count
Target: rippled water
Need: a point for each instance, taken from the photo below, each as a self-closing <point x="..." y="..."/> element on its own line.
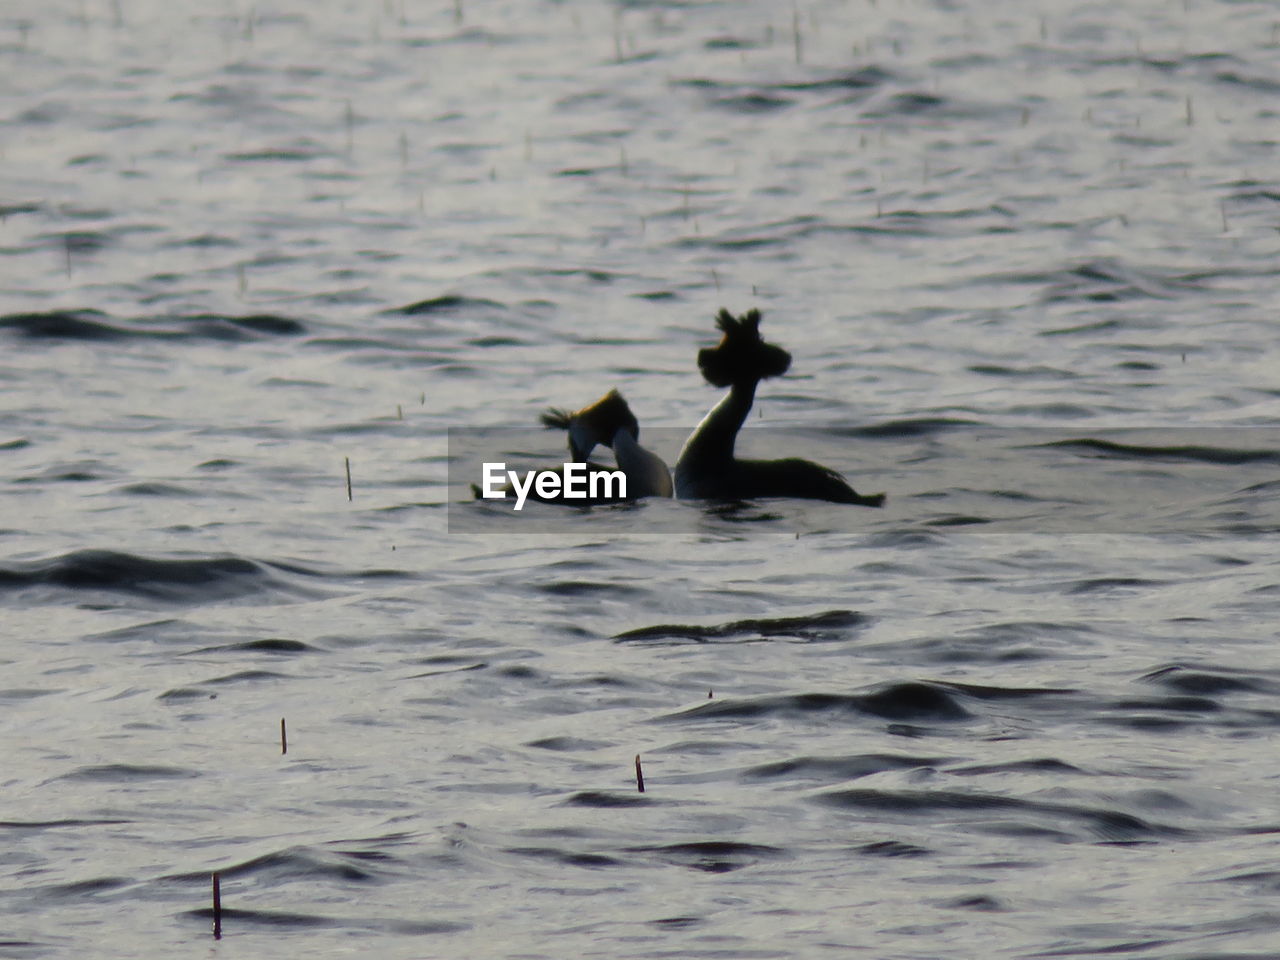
<point x="244" y="245"/>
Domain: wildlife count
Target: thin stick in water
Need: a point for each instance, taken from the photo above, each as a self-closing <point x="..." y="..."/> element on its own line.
<point x="639" y="775"/>
<point x="348" y="462"/>
<point x="217" y="907"/>
<point x="284" y="739"/>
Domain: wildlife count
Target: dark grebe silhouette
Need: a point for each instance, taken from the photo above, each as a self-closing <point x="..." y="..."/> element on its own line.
<point x="609" y="422"/>
<point x="593" y="425"/>
<point x="707" y="468"/>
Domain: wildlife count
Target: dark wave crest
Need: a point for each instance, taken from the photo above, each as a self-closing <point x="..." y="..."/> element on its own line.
<point x="94" y="325"/>
<point x="818" y="626"/>
<point x="180" y="581"/>
<point x="1175" y="452"/>
<point x="909" y="701"/>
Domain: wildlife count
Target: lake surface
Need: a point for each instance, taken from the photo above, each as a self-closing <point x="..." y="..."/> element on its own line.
<point x="1025" y="259"/>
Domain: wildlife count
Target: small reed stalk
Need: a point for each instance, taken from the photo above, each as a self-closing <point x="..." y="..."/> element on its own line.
<point x="217" y="907"/>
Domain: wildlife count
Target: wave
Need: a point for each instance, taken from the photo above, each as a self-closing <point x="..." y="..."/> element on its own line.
<point x="713" y="856"/>
<point x="449" y="303"/>
<point x="1198" y="453"/>
<point x="177" y="581"/>
<point x="1201" y="681"/>
<point x="905" y="701"/>
<point x="604" y="800"/>
<point x="992" y="812"/>
<point x="94" y="325"/>
<point x="910" y="427"/>
<point x="1107" y="280"/>
<point x="128" y="773"/>
<point x="818" y="626"/>
<point x="833" y="769"/>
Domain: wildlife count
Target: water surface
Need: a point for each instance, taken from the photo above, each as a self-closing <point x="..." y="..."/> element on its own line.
<point x="246" y="245"/>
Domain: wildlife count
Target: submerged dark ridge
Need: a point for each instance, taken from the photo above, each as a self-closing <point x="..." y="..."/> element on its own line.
<point x="1038" y="371"/>
<point x="590" y="861"/>
<point x="808" y="627"/>
<point x="301" y="863"/>
<point x="905" y="222"/>
<point x="270" y="154"/>
<point x="271" y="645"/>
<point x="957" y="520"/>
<point x="568" y="744"/>
<point x="892" y="848"/>
<point x="980" y="902"/>
<point x="1039" y="765"/>
<point x="449" y="303"/>
<point x="1257" y="84"/>
<point x="70" y="471"/>
<point x="740" y="511"/>
<point x="837" y="768"/>
<point x="1207" y="682"/>
<point x="82" y="889"/>
<point x="853" y="80"/>
<point x="913" y="701"/>
<point x="1109" y="583"/>
<point x="269" y="918"/>
<point x="909" y="104"/>
<point x="1109" y="826"/>
<point x="267" y="323"/>
<point x="587" y="588"/>
<point x="985" y="692"/>
<point x="898" y="701"/>
<point x="914" y="427"/>
<point x="199" y="580"/>
<point x="1096" y="326"/>
<point x="248" y="676"/>
<point x="1105" y="279"/>
<point x="127" y="772"/>
<point x="63" y="325"/>
<point x="1111" y="280"/>
<point x="93" y="325"/>
<point x="751" y="102"/>
<point x="46" y="824"/>
<point x="716" y="848"/>
<point x="598" y="798"/>
<point x="713" y="856"/>
<point x="235" y="916"/>
<point x="1176" y="452"/>
<point x="182" y="694"/>
<point x="155" y="489"/>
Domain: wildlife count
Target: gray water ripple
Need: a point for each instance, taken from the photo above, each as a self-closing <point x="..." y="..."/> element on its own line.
<point x="181" y="581"/>
<point x="92" y="325"/>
